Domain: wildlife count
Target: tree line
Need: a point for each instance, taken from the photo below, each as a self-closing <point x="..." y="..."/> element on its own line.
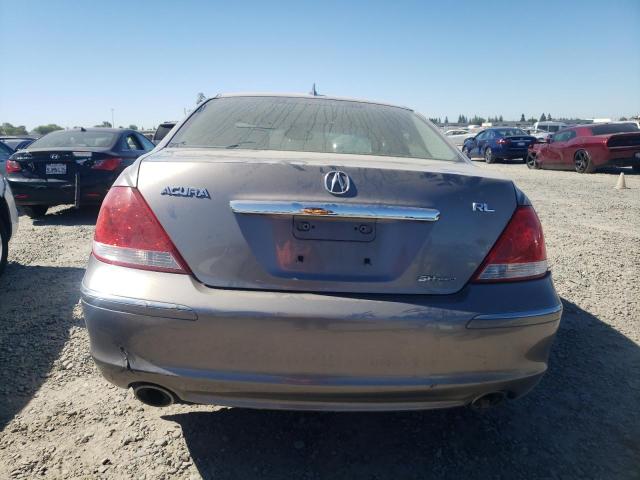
<point x="477" y="120"/>
<point x="11" y="130"/>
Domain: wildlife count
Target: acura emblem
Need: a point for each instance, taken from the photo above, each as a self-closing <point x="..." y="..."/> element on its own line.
<point x="54" y="156"/>
<point x="337" y="182"/>
<point x="180" y="191"/>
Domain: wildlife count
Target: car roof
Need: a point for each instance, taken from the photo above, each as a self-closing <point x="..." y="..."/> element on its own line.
<point x="306" y="95"/>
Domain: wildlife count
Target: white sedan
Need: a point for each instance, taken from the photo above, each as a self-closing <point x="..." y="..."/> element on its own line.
<point x="457" y="137"/>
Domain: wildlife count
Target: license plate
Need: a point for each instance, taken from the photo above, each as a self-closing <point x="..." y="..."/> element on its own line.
<point x="521" y="144"/>
<point x="56" y="169"/>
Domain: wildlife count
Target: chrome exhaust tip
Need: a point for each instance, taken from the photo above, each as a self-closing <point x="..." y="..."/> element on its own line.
<point x="488" y="400"/>
<point x="153" y="395"/>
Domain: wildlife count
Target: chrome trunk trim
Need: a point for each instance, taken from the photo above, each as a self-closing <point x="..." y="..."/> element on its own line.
<point x="338" y="210"/>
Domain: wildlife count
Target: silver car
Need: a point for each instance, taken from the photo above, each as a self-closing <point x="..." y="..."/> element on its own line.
<point x="305" y="252"/>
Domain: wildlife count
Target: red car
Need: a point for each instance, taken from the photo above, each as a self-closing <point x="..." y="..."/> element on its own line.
<point x="585" y="148"/>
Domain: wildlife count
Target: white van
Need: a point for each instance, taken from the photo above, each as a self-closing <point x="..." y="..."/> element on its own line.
<point x="549" y="127"/>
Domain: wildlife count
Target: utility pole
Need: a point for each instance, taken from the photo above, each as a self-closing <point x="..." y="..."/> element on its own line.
<point x="113" y="122"/>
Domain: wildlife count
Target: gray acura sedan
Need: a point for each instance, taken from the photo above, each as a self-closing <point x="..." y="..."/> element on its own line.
<point x="306" y="252"/>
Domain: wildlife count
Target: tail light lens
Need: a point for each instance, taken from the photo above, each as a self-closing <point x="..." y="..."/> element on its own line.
<point x="503" y="141"/>
<point x="519" y="253"/>
<point x="108" y="164"/>
<point x="12" y="166"/>
<point x="129" y="234"/>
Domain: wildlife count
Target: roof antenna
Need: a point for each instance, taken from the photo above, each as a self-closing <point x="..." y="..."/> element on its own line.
<point x="313" y="91"/>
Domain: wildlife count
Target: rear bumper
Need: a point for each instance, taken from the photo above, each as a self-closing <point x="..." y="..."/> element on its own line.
<point x="308" y="351"/>
<point x="41" y="192"/>
<point x="623" y="159"/>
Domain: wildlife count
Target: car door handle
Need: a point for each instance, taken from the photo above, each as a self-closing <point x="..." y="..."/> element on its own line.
<point x="337" y="210"/>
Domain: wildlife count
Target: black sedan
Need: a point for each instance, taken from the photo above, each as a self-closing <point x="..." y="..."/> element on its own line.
<point x="72" y="167"/>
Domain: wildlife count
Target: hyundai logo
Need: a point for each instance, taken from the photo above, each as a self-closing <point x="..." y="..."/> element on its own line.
<point x="54" y="156"/>
<point x="337" y="182"/>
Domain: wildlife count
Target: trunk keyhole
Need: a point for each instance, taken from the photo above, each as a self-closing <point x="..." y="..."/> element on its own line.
<point x="367" y="261"/>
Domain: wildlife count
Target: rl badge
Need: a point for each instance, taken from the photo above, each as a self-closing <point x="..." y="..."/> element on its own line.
<point x="186" y="192"/>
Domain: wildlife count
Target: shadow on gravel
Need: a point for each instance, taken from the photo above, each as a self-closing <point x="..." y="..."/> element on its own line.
<point x="581" y="421"/>
<point x="36" y="305"/>
<point x="69" y="217"/>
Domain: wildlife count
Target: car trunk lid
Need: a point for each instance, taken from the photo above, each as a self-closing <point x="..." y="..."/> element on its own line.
<point x="265" y="220"/>
<point x="60" y="164"/>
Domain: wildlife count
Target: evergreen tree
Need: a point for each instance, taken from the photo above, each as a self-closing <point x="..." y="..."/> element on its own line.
<point x="522" y="119"/>
<point x="543" y="118"/>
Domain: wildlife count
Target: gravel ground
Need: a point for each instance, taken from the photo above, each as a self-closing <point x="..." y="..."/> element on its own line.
<point x="60" y="419"/>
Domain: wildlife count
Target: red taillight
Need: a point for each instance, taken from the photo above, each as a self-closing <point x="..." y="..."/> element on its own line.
<point x="519" y="253"/>
<point x="12" y="166"/>
<point x="108" y="164"/>
<point x="130" y="235"/>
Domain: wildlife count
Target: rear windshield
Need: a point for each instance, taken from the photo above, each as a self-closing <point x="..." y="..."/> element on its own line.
<point x="510" y="132"/>
<point x="75" y="138"/>
<point x="312" y="125"/>
<point x="614" y="128"/>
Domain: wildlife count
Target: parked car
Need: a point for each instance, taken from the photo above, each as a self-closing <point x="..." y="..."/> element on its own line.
<point x="585" y="148"/>
<point x="162" y="130"/>
<point x="457" y="137"/>
<point x="8" y="221"/>
<point x="16" y="143"/>
<point x="72" y="166"/>
<point x="495" y="144"/>
<point x="5" y="153"/>
<point x="307" y="252"/>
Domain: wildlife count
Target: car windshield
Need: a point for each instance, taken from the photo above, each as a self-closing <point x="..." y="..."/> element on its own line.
<point x="75" y="138"/>
<point x="312" y="125"/>
<point x="614" y="128"/>
<point x="510" y="132"/>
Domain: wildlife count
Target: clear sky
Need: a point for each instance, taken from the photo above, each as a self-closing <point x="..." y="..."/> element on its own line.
<point x="71" y="62"/>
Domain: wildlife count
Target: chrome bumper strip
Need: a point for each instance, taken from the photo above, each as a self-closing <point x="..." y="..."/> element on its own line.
<point x="338" y="210"/>
<point x="516" y="319"/>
